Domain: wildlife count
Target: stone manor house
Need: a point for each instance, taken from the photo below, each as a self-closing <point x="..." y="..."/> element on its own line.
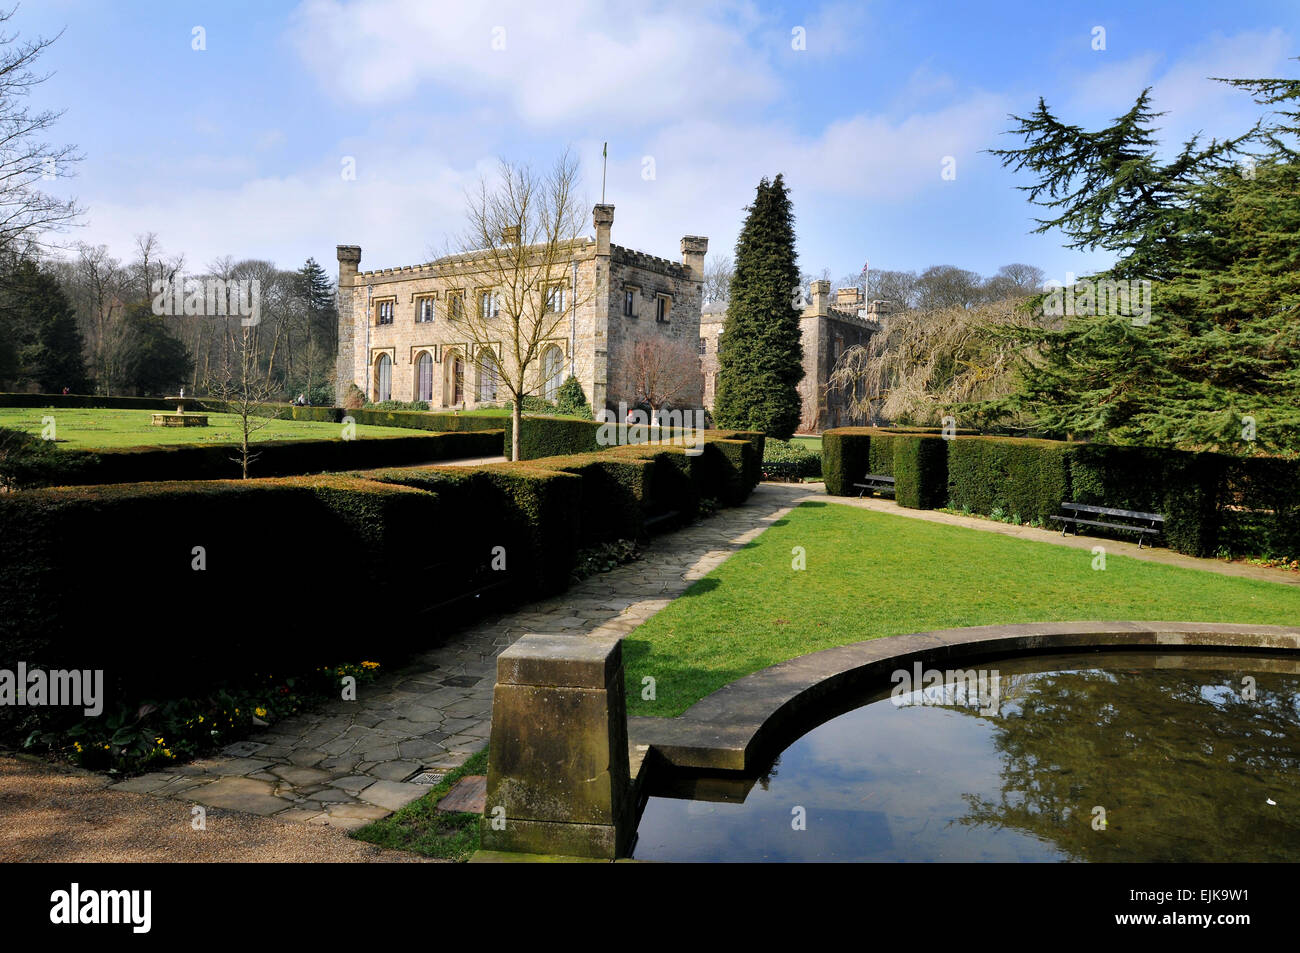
<point x="396" y="341"/>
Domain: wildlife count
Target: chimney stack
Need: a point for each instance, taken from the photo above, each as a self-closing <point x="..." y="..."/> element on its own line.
<point x="694" y="248"/>
<point x="602" y="216"/>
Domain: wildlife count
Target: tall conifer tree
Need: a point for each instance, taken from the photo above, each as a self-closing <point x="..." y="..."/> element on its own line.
<point x="760" y="357"/>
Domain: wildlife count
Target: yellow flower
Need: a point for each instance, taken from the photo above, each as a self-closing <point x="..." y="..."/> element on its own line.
<point x="259" y="712"/>
<point x="200" y="719"/>
<point x="370" y="665"/>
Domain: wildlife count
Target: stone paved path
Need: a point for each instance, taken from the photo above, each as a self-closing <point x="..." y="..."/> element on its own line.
<point x="353" y="762"/>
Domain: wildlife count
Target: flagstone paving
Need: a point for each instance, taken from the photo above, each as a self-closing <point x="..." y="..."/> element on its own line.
<point x="353" y="761"/>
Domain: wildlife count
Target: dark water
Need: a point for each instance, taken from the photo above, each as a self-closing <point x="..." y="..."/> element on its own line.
<point x="1170" y="746"/>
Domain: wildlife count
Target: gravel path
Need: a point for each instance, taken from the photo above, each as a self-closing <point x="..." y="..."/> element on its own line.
<point x="51" y="813"/>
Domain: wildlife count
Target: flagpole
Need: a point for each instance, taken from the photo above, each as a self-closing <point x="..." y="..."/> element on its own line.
<point x="604" y="161"/>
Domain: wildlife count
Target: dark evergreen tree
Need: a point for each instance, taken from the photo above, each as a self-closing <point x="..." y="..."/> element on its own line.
<point x="157" y="363"/>
<point x="320" y="330"/>
<point x="760" y="356"/>
<point x="1217" y="233"/>
<point x="45" y="344"/>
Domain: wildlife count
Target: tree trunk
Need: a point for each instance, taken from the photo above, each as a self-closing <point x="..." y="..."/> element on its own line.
<point x="516" y="422"/>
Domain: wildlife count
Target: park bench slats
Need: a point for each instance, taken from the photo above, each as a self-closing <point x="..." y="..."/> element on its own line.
<point x="874" y="481"/>
<point x="1155" y="521"/>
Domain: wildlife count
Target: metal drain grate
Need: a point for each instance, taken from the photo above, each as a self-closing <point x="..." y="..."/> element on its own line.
<point x="242" y="749"/>
<point x="462" y="681"/>
<point x="427" y="777"/>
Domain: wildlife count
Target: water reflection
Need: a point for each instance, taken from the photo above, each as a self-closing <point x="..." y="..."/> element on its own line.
<point x="1181" y="758"/>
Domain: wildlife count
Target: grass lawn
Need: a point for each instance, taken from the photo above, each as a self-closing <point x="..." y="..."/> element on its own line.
<point x="871" y="574"/>
<point x="809" y="443"/>
<point x="92" y="429"/>
<point x="420" y="828"/>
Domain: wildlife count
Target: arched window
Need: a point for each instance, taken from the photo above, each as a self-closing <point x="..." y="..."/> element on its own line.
<point x="424" y="377"/>
<point x="489" y="375"/>
<point x="552" y="370"/>
<point x="383" y="378"/>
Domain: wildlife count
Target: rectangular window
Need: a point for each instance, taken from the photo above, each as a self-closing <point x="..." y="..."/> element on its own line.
<point x="489" y="304"/>
<point x="555" y="302"/>
<point x="629" y="302"/>
<point x="384" y="312"/>
<point x="456" y="305"/>
<point x="704" y="346"/>
<point x="662" y="306"/>
<point x="423" y="310"/>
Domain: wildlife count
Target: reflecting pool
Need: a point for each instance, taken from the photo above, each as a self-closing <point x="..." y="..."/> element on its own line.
<point x="1117" y="756"/>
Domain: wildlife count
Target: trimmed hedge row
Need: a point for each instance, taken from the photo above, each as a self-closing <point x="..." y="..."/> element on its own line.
<point x="89" y="400"/>
<point x="172" y="587"/>
<point x="552" y="437"/>
<point x="274" y="458"/>
<point x="921" y="471"/>
<point x="1249" y="506"/>
<point x="1024" y="479"/>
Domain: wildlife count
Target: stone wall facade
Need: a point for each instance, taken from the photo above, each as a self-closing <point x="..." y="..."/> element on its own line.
<point x="397" y="342"/>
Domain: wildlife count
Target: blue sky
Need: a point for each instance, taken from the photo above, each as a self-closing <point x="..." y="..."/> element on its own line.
<point x="238" y="149"/>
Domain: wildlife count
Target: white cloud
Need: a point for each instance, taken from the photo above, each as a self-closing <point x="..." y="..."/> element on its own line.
<point x="596" y="61"/>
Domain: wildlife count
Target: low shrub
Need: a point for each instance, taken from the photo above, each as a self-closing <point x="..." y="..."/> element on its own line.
<point x="789" y="461"/>
<point x="397" y="405"/>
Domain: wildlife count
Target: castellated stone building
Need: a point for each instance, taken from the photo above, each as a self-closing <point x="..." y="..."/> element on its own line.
<point x="829" y="326"/>
<point x="396" y="341"/>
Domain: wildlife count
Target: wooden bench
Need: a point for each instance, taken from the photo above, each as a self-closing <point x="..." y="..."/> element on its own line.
<point x="1081" y="514"/>
<point x="873" y="482"/>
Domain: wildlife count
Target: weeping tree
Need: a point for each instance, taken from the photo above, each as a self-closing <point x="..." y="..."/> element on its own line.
<point x="923" y="365"/>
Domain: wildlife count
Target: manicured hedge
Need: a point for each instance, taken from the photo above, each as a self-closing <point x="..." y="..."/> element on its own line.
<point x="617" y="494"/>
<point x="678" y="479"/>
<point x="105" y="577"/>
<point x="845" y="452"/>
<point x="91" y="400"/>
<point x="274" y="458"/>
<point x="533" y="513"/>
<point x="1026" y="480"/>
<point x="920" y="471"/>
<point x="552" y="437"/>
<point x="1211" y="502"/>
<point x="420" y="420"/>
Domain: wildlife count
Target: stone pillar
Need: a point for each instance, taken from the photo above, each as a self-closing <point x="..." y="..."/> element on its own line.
<point x="558" y="780"/>
<point x="345" y="366"/>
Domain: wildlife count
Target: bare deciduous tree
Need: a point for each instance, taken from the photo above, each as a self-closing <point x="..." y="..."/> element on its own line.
<point x="661" y="371"/>
<point x="717" y="279"/>
<point x="245" y="390"/>
<point x="522" y="234"/>
<point x="26" y="212"/>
